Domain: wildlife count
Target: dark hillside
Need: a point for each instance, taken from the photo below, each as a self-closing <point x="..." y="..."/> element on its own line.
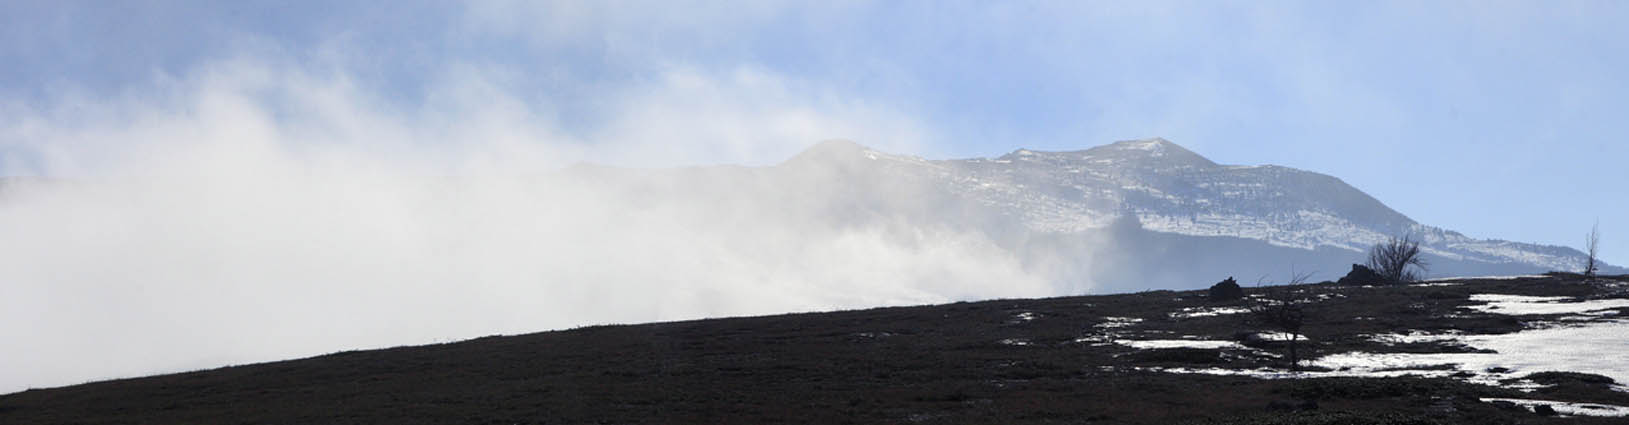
<point x="1006" y="361"/>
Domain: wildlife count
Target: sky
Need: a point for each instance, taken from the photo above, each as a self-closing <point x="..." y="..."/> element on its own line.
<point x="1496" y="119"/>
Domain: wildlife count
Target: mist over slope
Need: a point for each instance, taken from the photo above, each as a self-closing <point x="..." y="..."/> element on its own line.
<point x="180" y="274"/>
<point x="268" y="255"/>
<point x="1132" y="215"/>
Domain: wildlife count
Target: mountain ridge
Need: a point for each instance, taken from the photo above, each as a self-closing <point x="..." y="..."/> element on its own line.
<point x="1172" y="189"/>
<point x="1116" y="217"/>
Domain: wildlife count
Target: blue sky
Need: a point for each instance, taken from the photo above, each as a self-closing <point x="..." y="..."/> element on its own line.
<point x="1498" y="119"/>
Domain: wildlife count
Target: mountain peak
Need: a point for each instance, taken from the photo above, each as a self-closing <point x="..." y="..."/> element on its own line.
<point x="1157" y="150"/>
<point x="1154" y="151"/>
<point x="1153" y="144"/>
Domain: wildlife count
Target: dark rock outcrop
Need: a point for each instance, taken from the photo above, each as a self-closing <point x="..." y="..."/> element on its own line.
<point x="1226" y="290"/>
<point x="1363" y="275"/>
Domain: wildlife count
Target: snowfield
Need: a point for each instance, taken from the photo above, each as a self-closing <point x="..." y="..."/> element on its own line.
<point x="1569" y="409"/>
<point x="1521" y="305"/>
<point x="1593" y="344"/>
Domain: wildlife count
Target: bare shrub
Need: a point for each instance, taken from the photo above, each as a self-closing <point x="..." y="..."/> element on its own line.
<point x="1393" y="259"/>
<point x="1592" y="246"/>
<point x="1279" y="310"/>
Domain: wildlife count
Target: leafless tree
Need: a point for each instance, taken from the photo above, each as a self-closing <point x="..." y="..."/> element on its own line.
<point x="1279" y="310"/>
<point x="1392" y="259"/>
<point x="1592" y="246"/>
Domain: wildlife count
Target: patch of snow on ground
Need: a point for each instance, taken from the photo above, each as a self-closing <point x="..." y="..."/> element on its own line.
<point x="1014" y="341"/>
<point x="1279" y="336"/>
<point x="1589" y="348"/>
<point x="1590" y="315"/>
<point x="1095" y="340"/>
<point x="1267" y="373"/>
<point x="1192" y="312"/>
<point x="1520" y="305"/>
<point x="1506" y="298"/>
<point x="1178" y="343"/>
<point x="1366" y="363"/>
<point x="1525" y="276"/>
<point x="1025" y="316"/>
<point x="1118" y="322"/>
<point x="1593" y="347"/>
<point x="1570" y="409"/>
<point x="1412" y="337"/>
<point x="1323" y="297"/>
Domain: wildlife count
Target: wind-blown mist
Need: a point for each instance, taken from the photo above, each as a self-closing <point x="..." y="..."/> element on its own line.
<point x="259" y="214"/>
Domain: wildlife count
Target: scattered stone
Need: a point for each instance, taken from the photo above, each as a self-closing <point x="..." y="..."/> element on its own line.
<point x="1442" y="406"/>
<point x="1544" y="410"/>
<point x="1507" y="405"/>
<point x="1444" y="295"/>
<point x="1226" y="290"/>
<point x="1292" y="405"/>
<point x="1363" y="275"/>
<point x="1177" y="355"/>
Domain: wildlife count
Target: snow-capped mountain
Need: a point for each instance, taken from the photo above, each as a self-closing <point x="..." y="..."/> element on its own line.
<point x="1169" y="189"/>
<point x="1128" y="216"/>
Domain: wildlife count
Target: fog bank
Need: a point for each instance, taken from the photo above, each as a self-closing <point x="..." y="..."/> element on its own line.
<point x="255" y="212"/>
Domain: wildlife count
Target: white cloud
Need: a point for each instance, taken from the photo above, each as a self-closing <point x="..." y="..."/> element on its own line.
<point x="747" y="115"/>
<point x="256" y="210"/>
